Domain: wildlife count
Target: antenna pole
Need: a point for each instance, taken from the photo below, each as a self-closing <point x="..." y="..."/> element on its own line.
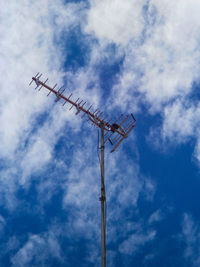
<point x="103" y="199"/>
<point x="115" y="133"/>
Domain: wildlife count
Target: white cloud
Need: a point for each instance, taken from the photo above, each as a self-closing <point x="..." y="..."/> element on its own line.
<point x="27" y="33"/>
<point x="191" y="237"/>
<point x="29" y="43"/>
<point x="135" y="241"/>
<point x="167" y="62"/>
<point x="155" y="217"/>
<point x="2" y="223"/>
<point x="180" y="124"/>
<point x="124" y="186"/>
<point x="37" y="250"/>
<point x="180" y="121"/>
<point x="116" y="21"/>
<point x="27" y="253"/>
<point x="26" y="36"/>
<point x="161" y="58"/>
<point x="12" y="243"/>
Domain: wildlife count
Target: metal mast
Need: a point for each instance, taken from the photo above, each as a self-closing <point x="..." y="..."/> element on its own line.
<point x="103" y="199"/>
<point x="114" y="132"/>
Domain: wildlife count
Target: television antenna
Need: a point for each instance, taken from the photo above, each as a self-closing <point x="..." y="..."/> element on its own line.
<point x="114" y="132"/>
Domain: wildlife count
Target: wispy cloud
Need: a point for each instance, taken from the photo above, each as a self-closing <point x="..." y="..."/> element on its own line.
<point x="191" y="238"/>
<point x="38" y="250"/>
<point x="136" y="241"/>
<point x="156" y="217"/>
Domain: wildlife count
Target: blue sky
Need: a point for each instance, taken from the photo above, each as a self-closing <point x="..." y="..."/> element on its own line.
<point x="139" y="57"/>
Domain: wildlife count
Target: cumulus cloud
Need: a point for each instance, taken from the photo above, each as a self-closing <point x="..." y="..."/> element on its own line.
<point x="107" y="20"/>
<point x="30" y="125"/>
<point x="28" y="33"/>
<point x="164" y="63"/>
<point x="160" y="57"/>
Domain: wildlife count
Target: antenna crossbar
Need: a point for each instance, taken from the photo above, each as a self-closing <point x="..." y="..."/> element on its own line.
<point x="94" y="117"/>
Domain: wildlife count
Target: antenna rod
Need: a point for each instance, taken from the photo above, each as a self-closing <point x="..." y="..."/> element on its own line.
<point x="92" y="117"/>
<point x="103" y="199"/>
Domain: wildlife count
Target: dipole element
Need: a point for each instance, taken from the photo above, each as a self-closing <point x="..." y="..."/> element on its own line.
<point x="114" y="132"/>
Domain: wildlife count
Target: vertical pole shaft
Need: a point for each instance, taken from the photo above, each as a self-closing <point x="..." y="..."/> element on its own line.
<point x="103" y="199"/>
